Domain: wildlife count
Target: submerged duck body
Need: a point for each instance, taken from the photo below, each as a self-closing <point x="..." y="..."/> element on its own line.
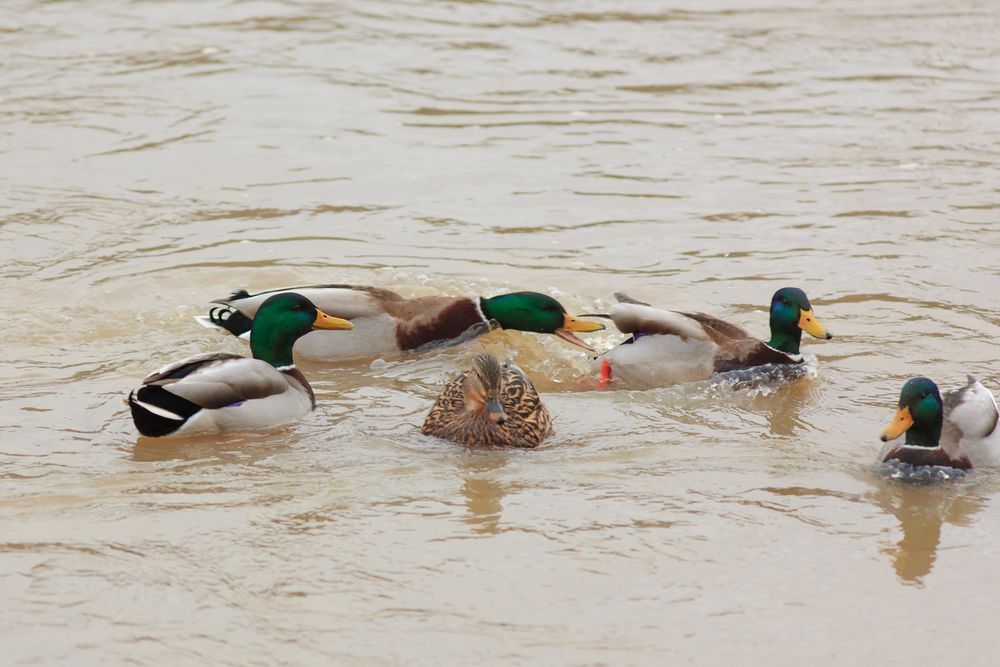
<point x="385" y="322"/>
<point x="491" y="405"/>
<point x="219" y="392"/>
<point x="670" y="347"/>
<point x="959" y="430"/>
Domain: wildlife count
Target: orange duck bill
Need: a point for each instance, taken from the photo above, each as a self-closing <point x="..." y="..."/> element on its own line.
<point x="899" y="425"/>
<point x="571" y="324"/>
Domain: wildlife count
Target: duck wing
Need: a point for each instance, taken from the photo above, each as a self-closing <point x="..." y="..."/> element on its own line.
<point x="527" y="418"/>
<point x="347" y="301"/>
<point x="625" y="298"/>
<point x="970" y="412"/>
<point x="450" y="402"/>
<point x="637" y="318"/>
<point x="719" y="330"/>
<point x="215" y="380"/>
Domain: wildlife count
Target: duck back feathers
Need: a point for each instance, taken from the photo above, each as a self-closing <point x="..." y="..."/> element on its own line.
<point x="384" y="322"/>
<point x="527" y="421"/>
<point x="669" y="347"/>
<point x="209" y="393"/>
<point x="970" y="412"/>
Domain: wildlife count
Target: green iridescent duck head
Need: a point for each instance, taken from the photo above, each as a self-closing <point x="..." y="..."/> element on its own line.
<point x="282" y="320"/>
<point x="536" y="313"/>
<point x="920" y="414"/>
<point x="791" y="314"/>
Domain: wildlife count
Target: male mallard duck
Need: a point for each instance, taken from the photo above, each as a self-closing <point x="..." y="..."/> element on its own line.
<point x="215" y="392"/>
<point x="668" y="347"/>
<point x="385" y="322"/>
<point x="959" y="431"/>
<point x="490" y="405"/>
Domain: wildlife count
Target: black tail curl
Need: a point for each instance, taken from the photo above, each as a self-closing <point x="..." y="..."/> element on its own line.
<point x="230" y="319"/>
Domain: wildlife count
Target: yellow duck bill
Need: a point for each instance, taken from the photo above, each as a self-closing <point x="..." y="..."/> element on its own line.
<point x="324" y="321"/>
<point x="809" y="324"/>
<point x="571" y="324"/>
<point x="900" y="424"/>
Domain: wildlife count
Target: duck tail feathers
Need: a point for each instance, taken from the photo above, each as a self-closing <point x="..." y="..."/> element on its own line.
<point x="230" y="319"/>
<point x="157" y="412"/>
<point x="625" y="298"/>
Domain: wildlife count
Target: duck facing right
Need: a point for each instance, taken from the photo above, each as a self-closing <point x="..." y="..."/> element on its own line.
<point x="669" y="347"/>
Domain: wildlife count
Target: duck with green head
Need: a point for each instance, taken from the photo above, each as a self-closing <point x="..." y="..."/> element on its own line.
<point x="957" y="430"/>
<point x="668" y="347"/>
<point x="217" y="392"/>
<point x="384" y="322"/>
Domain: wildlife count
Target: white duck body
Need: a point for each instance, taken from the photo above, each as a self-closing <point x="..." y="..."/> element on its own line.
<point x="374" y="328"/>
<point x="384" y="322"/>
<point x="651" y="359"/>
<point x="670" y="347"/>
<point x="970" y="429"/>
<point x="219" y="392"/>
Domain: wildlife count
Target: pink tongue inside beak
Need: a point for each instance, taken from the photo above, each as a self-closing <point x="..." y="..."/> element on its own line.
<point x="568" y="335"/>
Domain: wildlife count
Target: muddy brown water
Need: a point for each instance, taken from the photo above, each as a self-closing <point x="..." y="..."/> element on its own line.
<point x="696" y="155"/>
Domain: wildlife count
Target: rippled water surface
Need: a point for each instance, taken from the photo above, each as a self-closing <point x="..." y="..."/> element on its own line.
<point x="696" y="155"/>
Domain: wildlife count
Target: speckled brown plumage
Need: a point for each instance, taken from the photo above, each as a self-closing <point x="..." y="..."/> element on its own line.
<point x="454" y="416"/>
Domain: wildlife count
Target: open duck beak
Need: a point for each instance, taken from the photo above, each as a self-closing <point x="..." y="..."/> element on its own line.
<point x="571" y="324"/>
<point x="324" y="321"/>
<point x="809" y="324"/>
<point x="495" y="410"/>
<point x="900" y="423"/>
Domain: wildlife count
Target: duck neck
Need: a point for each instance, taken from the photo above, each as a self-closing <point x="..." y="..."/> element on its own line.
<point x="924" y="434"/>
<point x="484" y="308"/>
<point x="272" y="345"/>
<point x="785" y="341"/>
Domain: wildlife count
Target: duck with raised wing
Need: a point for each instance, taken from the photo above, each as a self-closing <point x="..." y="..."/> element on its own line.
<point x="958" y="430"/>
<point x="384" y="322"/>
<point x="669" y="347"/>
<point x="490" y="405"/>
<point x="217" y="392"/>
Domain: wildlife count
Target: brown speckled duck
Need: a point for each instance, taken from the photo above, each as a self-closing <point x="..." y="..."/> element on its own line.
<point x="491" y="405"/>
<point x="384" y="322"/>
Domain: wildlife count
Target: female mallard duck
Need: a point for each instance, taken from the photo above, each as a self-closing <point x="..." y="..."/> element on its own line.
<point x="669" y="347"/>
<point x="490" y="405"/>
<point x="385" y="322"/>
<point x="216" y="392"/>
<point x="959" y="431"/>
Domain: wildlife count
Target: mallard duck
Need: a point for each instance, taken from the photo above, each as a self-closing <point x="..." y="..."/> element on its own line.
<point x="490" y="405"/>
<point x="384" y="322"/>
<point x="216" y="392"/>
<point x="669" y="347"/>
<point x="959" y="431"/>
